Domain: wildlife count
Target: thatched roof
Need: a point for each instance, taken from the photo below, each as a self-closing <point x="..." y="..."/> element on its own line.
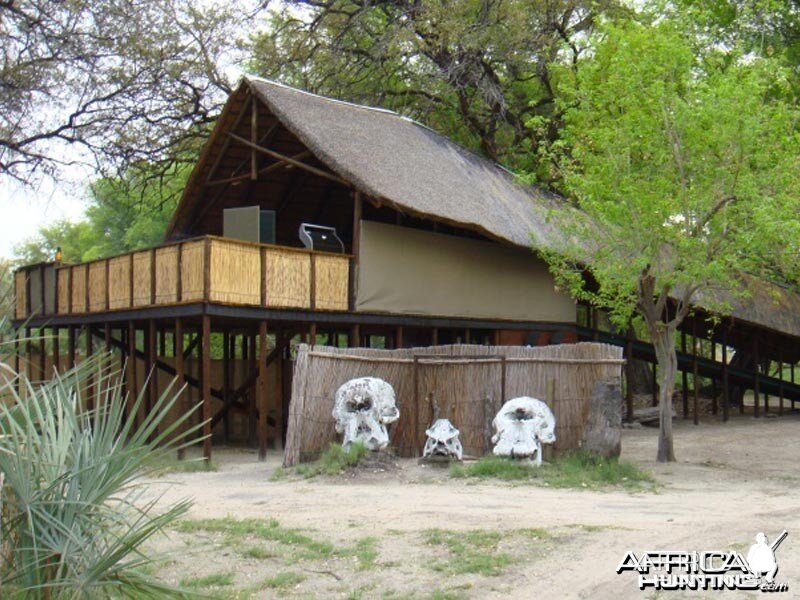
<point x="395" y="160"/>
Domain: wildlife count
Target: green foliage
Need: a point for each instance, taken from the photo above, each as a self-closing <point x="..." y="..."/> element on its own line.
<point x="284" y="580"/>
<point x="117" y="220"/>
<point x="476" y="71"/>
<point x="574" y="470"/>
<point x="470" y="552"/>
<point x="334" y="461"/>
<point x="213" y="580"/>
<point x="74" y="515"/>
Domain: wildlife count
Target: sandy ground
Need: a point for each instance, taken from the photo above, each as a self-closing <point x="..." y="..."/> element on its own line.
<point x="732" y="481"/>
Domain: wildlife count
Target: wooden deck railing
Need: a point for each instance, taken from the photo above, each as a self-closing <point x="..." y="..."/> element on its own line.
<point x="207" y="269"/>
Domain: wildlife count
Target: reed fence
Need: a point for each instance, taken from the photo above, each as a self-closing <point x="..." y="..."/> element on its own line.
<point x="464" y="383"/>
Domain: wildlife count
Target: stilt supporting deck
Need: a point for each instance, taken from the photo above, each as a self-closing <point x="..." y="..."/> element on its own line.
<point x="90" y="383"/>
<point x="180" y="378"/>
<point x="205" y="379"/>
<point x="695" y="377"/>
<point x="756" y="381"/>
<point x="261" y="390"/>
<point x="725" y="386"/>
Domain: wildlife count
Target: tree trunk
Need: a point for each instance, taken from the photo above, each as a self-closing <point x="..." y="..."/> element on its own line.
<point x="668" y="361"/>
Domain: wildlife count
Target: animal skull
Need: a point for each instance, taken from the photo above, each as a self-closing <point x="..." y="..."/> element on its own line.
<point x="521" y="427"/>
<point x="362" y="409"/>
<point x="443" y="440"/>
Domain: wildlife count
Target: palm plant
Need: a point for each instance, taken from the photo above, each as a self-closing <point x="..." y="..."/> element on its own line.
<point x="75" y="511"/>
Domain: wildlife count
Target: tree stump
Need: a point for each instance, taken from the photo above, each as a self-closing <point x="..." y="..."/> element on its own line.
<point x="603" y="432"/>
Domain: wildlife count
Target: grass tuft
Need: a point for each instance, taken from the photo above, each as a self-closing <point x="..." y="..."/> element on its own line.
<point x="284" y="580"/>
<point x="334" y="461"/>
<point x="213" y="580"/>
<point x="574" y="470"/>
<point x="470" y="552"/>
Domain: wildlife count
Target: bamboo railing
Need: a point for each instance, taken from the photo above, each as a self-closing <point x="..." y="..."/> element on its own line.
<point x="208" y="269"/>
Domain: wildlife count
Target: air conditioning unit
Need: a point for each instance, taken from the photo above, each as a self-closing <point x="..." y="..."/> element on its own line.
<point x="320" y="237"/>
<point x="249" y="223"/>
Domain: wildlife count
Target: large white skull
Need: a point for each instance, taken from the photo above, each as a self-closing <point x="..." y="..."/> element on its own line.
<point x="443" y="440"/>
<point x="521" y="427"/>
<point x="363" y="408"/>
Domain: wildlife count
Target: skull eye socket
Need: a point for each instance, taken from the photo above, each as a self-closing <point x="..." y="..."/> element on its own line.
<point x="359" y="404"/>
<point x="521" y="415"/>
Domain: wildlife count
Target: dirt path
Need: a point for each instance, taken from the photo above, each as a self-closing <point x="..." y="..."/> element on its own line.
<point x="732" y="481"/>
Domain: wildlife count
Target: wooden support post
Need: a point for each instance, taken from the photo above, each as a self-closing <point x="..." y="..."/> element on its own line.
<point x="415" y="445"/>
<point x="756" y="380"/>
<point x="467" y="336"/>
<point x="684" y="380"/>
<point x="205" y="378"/>
<point x="312" y="335"/>
<point x="151" y="356"/>
<point x="435" y="337"/>
<point x="261" y="390"/>
<point x="42" y="353"/>
<point x="358" y="209"/>
<point x="71" y="347"/>
<point x="354" y="339"/>
<point x="132" y="384"/>
<point x="226" y="384"/>
<point x="90" y="389"/>
<point x="180" y="379"/>
<point x="503" y="377"/>
<point x="17" y="379"/>
<point x="695" y="377"/>
<point x="398" y="337"/>
<point x="714" y="399"/>
<point x="725" y="387"/>
<point x="56" y="368"/>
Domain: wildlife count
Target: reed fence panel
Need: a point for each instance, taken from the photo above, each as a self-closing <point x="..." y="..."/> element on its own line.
<point x="78" y="277"/>
<point x="21" y="294"/>
<point x="463" y="383"/>
<point x="64" y="274"/>
<point x="192" y="270"/>
<point x="97" y="286"/>
<point x="331" y="282"/>
<point x="167" y="275"/>
<point x="142" y="278"/>
<point x="235" y="273"/>
<point x="288" y="277"/>
<point x="119" y="282"/>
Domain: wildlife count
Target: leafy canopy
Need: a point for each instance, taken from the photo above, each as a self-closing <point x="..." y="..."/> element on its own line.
<point x="686" y="163"/>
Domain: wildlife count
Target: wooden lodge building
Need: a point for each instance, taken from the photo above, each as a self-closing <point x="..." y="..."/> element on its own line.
<point x="343" y="224"/>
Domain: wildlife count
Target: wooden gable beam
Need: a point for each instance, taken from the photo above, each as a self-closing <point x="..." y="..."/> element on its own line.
<point x="289" y="159"/>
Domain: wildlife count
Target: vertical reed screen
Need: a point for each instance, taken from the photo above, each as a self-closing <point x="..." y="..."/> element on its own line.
<point x="64" y="274"/>
<point x="78" y="288"/>
<point x="331" y="285"/>
<point x="192" y="270"/>
<point x="288" y="275"/>
<point x="142" y="278"/>
<point x="119" y="282"/>
<point x="21" y="294"/>
<point x="235" y="273"/>
<point x="167" y="275"/>
<point x="97" y="286"/>
<point x="462" y="383"/>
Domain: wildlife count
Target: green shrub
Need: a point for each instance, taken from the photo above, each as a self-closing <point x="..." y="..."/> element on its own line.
<point x="333" y="461"/>
<point x="573" y="470"/>
<point x="74" y="517"/>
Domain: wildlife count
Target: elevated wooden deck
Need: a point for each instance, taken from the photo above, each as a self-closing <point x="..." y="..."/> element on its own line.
<point x="206" y="269"/>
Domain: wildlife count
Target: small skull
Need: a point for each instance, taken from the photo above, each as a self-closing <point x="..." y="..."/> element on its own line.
<point x="521" y="427"/>
<point x="443" y="440"/>
<point x="363" y="407"/>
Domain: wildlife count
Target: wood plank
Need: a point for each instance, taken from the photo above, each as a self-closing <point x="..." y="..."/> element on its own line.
<point x="261" y="390"/>
<point x="205" y="379"/>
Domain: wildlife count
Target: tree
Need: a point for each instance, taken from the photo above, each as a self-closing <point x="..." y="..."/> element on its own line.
<point x="110" y="82"/>
<point x="476" y="70"/>
<point x="685" y="164"/>
<point x="113" y="223"/>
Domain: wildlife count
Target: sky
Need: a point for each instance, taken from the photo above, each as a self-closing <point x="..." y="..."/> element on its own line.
<point x="23" y="210"/>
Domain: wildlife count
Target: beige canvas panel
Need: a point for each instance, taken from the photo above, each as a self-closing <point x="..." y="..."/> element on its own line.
<point x="409" y="271"/>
